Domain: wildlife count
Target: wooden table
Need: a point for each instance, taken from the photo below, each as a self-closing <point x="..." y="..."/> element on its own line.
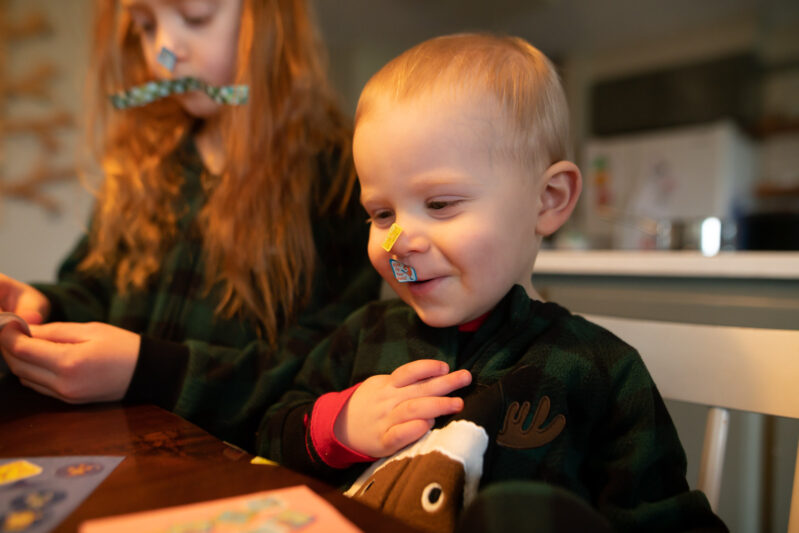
<point x="168" y="461"/>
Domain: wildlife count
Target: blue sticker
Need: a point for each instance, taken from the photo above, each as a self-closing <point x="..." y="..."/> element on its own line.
<point x="402" y="272"/>
<point x="167" y="58"/>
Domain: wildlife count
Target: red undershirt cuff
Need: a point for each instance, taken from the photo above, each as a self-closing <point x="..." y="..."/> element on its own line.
<point x="323" y="419"/>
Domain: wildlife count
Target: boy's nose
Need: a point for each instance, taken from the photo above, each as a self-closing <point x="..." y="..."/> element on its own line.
<point x="412" y="239"/>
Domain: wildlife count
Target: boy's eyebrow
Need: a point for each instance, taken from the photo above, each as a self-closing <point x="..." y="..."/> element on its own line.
<point x="442" y="179"/>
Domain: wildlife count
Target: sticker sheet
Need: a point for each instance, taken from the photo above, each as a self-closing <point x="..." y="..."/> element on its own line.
<point x="37" y="493"/>
<point x="283" y="510"/>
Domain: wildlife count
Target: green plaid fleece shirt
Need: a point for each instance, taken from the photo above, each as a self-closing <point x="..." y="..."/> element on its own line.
<point x="218" y="373"/>
<point x="615" y="446"/>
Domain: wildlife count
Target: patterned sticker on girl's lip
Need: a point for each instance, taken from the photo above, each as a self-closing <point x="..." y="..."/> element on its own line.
<point x="156" y="90"/>
<point x="402" y="272"/>
<point x="393" y="234"/>
<point x="166" y="58"/>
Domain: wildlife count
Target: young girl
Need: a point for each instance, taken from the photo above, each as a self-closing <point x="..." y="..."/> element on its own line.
<point x="225" y="241"/>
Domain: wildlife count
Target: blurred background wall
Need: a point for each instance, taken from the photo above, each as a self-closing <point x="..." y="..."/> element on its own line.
<point x="44" y="46"/>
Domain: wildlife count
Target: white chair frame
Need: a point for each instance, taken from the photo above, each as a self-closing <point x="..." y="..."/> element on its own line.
<point x="747" y="369"/>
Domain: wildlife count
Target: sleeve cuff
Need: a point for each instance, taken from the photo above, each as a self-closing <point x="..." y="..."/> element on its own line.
<point x="328" y="448"/>
<point x="159" y="373"/>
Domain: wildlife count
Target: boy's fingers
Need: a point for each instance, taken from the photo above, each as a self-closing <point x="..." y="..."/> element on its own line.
<point x="400" y="435"/>
<point x="442" y="385"/>
<point x="427" y="408"/>
<point x="418" y="370"/>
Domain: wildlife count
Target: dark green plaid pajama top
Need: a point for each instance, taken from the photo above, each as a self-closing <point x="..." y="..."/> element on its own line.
<point x="218" y="373"/>
<point x="615" y="448"/>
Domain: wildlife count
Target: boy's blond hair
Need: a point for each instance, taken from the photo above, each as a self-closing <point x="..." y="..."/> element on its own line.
<point x="516" y="74"/>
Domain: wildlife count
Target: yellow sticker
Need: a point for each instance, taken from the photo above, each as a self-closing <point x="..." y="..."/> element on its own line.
<point x="393" y="234"/>
<point x="16" y="470"/>
<point x="19" y="520"/>
<point x="258" y="460"/>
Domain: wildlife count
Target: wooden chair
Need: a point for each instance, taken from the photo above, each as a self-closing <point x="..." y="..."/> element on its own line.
<point x="747" y="369"/>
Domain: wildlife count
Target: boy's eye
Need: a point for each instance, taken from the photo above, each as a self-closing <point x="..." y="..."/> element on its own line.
<point x="442" y="205"/>
<point x="382" y="219"/>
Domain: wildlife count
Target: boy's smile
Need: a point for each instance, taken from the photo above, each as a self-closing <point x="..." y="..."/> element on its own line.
<point x="468" y="212"/>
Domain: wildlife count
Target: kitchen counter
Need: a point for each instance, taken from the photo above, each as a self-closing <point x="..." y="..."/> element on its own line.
<point x="689" y="263"/>
<point x="749" y="289"/>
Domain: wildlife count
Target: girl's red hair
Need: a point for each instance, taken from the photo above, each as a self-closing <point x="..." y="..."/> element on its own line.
<point x="256" y="224"/>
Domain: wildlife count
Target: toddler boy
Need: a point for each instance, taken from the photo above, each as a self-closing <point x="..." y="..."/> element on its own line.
<point x="461" y="150"/>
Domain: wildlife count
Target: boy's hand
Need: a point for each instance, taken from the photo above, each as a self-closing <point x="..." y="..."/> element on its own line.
<point x="388" y="412"/>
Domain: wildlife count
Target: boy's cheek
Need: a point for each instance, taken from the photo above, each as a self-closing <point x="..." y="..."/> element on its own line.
<point x="378" y="257"/>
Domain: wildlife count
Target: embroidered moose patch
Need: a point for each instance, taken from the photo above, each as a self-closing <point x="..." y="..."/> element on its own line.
<point x="513" y="434"/>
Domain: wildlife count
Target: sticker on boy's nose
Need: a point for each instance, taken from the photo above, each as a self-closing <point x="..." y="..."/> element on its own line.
<point x="167" y="58"/>
<point x="402" y="272"/>
<point x="393" y="234"/>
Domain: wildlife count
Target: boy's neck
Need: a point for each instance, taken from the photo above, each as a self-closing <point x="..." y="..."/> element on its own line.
<point x="473" y="325"/>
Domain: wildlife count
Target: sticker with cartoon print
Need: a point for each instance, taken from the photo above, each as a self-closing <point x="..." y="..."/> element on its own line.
<point x="402" y="272"/>
<point x="79" y="469"/>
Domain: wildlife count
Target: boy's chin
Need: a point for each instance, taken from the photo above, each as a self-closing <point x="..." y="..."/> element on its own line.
<point x="437" y="319"/>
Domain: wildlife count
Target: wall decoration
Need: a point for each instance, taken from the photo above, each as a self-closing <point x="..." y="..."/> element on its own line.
<point x="33" y="84"/>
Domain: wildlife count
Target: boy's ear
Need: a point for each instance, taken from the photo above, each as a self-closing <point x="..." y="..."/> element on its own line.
<point x="562" y="183"/>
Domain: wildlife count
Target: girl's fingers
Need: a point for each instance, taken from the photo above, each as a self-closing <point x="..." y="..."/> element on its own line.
<point x="39" y="388"/>
<point x="33" y="351"/>
<point x="414" y="371"/>
<point x="63" y="332"/>
<point x="27" y="372"/>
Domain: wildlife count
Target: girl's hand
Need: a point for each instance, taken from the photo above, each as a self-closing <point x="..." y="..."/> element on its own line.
<point x="388" y="412"/>
<point x="76" y="363"/>
<point x="24" y="300"/>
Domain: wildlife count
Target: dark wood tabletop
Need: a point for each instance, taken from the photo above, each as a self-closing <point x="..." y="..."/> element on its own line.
<point x="168" y="461"/>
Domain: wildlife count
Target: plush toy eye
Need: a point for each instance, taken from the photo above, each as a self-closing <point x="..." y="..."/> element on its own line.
<point x="432" y="497"/>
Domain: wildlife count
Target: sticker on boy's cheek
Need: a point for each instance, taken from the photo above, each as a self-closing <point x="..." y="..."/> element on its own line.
<point x="402" y="272"/>
<point x="393" y="234"/>
<point x="166" y="58"/>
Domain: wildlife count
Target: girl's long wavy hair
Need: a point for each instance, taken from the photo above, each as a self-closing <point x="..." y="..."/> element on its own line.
<point x="256" y="222"/>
